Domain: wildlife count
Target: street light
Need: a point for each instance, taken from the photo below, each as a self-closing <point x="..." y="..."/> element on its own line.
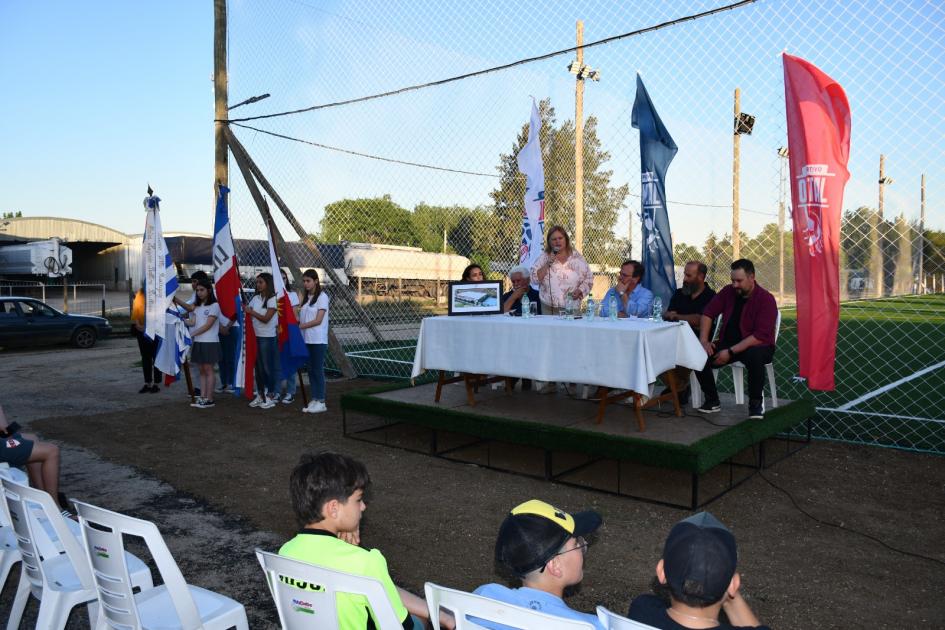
<point x="249" y="101"/>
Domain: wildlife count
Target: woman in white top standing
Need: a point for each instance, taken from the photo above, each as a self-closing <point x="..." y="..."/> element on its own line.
<point x="206" y="349"/>
<point x="263" y="310"/>
<point x="560" y="270"/>
<point x="313" y="321"/>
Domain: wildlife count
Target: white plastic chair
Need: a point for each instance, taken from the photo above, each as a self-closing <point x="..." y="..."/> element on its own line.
<point x="464" y="605"/>
<point x="9" y="549"/>
<point x="174" y="604"/>
<point x="301" y="606"/>
<point x="613" y="621"/>
<point x="738" y="377"/>
<point x="55" y="572"/>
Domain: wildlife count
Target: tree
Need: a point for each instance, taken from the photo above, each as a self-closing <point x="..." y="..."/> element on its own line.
<point x="602" y="200"/>
<point x="12" y="215"/>
<point x="432" y="222"/>
<point x="377" y="220"/>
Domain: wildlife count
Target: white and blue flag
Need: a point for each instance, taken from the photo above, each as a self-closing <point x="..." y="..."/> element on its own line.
<point x="533" y="220"/>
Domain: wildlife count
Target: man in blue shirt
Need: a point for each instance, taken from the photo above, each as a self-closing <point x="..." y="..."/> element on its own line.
<point x="512" y="299"/>
<point x="544" y="547"/>
<point x="633" y="299"/>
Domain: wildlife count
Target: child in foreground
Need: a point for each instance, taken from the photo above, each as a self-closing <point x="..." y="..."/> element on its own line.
<point x="327" y="491"/>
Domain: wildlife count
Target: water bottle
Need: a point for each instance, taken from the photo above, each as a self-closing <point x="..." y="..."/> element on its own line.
<point x="657" y="309"/>
<point x="612" y="307"/>
<point x="590" y="310"/>
<point x="568" y="306"/>
<point x="525" y="302"/>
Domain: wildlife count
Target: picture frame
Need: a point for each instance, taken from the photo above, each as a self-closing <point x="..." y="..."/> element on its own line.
<point x="475" y="298"/>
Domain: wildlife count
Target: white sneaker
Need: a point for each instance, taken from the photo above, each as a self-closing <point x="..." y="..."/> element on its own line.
<point x="317" y="406"/>
<point x="268" y="404"/>
<point x="257" y="402"/>
<point x="288" y="399"/>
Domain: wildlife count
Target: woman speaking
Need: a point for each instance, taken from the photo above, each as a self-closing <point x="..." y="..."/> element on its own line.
<point x="559" y="271"/>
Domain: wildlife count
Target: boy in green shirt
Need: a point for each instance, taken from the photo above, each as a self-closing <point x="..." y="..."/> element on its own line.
<point x="327" y="492"/>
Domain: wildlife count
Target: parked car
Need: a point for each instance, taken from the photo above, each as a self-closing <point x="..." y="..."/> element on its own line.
<point x="26" y="322"/>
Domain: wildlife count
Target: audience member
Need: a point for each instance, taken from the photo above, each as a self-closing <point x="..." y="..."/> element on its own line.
<point x="633" y="299"/>
<point x="749" y="317"/>
<point x="698" y="572"/>
<point x="544" y="547"/>
<point x="687" y="305"/>
<point x="41" y="459"/>
<point x="327" y="491"/>
<point x="512" y="299"/>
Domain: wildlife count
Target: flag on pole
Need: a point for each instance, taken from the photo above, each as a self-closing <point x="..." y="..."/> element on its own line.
<point x="292" y="351"/>
<point x="161" y="322"/>
<point x="818" y="126"/>
<point x="226" y="281"/>
<point x="245" y="368"/>
<point x="657" y="150"/>
<point x="533" y="220"/>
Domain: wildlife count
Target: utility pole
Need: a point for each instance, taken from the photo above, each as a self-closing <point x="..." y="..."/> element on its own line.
<point x="220" y="170"/>
<point x="877" y="273"/>
<point x="579" y="143"/>
<point x="782" y="193"/>
<point x="736" y="156"/>
<point x="922" y="236"/>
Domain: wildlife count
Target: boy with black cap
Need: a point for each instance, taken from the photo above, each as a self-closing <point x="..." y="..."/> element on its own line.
<point x="698" y="569"/>
<point x="545" y="547"/>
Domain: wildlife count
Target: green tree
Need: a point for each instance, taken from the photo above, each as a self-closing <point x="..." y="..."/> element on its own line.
<point x="12" y="215"/>
<point x="377" y="220"/>
<point x="602" y="200"/>
<point x="432" y="222"/>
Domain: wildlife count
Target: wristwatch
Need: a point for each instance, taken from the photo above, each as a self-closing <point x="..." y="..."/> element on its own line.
<point x="621" y="293"/>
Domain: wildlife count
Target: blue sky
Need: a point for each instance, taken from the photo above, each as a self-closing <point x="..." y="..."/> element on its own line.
<point x="104" y="97"/>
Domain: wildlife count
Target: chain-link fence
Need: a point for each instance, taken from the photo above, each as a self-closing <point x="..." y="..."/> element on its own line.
<point x="426" y="178"/>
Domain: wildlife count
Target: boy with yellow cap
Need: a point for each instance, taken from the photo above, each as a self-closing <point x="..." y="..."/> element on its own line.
<point x="545" y="547"/>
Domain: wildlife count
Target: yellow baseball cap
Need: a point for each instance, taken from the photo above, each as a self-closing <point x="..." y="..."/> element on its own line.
<point x="534" y="531"/>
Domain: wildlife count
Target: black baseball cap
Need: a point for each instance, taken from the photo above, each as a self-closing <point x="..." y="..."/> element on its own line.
<point x="535" y="531"/>
<point x="699" y="558"/>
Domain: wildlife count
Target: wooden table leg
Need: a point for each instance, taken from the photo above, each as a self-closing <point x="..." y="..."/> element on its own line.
<point x="638" y="410"/>
<point x="472" y="380"/>
<point x="674" y="388"/>
<point x="439" y="385"/>
<point x="602" y="406"/>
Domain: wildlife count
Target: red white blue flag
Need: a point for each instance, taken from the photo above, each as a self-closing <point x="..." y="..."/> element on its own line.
<point x="226" y="279"/>
<point x="292" y="351"/>
<point x="818" y="127"/>
<point x="533" y="220"/>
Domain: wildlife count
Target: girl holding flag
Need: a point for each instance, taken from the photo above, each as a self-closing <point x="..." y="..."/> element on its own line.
<point x="263" y="309"/>
<point x="206" y="336"/>
<point x="313" y="321"/>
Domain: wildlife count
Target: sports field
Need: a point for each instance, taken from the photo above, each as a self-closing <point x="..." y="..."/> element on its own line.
<point x="890" y="372"/>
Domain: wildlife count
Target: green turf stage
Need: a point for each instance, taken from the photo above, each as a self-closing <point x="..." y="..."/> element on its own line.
<point x="878" y="342"/>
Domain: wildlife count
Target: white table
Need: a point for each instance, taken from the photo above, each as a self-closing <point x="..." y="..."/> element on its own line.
<point x="626" y="354"/>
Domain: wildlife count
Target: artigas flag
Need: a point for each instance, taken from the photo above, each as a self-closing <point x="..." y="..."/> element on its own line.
<point x="292" y="351"/>
<point x="657" y="150"/>
<point x="818" y="126"/>
<point x="529" y="164"/>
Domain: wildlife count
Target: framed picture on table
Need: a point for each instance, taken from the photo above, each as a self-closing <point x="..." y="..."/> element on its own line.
<point x="475" y="298"/>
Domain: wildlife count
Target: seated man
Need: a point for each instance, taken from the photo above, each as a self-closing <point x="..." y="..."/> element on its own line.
<point x="544" y="547"/>
<point x="512" y="300"/>
<point x="698" y="571"/>
<point x="41" y="459"/>
<point x="749" y="316"/>
<point x="633" y="299"/>
<point x="687" y="305"/>
<point x="327" y="493"/>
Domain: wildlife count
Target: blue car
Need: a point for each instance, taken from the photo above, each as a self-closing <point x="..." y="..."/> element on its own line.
<point x="28" y="322"/>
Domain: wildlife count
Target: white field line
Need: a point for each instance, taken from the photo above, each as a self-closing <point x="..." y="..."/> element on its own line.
<point x="357" y="353"/>
<point x="889" y="386"/>
<point x="881" y="415"/>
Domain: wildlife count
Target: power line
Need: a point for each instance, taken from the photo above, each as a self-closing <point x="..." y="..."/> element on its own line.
<point x="468" y="75"/>
<point x="365" y="155"/>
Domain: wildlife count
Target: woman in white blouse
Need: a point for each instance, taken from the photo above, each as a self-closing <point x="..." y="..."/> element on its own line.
<point x="560" y="270"/>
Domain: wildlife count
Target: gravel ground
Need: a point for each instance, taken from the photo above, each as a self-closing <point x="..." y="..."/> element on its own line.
<point x="215" y="481"/>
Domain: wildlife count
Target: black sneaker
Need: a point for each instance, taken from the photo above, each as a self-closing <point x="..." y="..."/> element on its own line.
<point x="756" y="409"/>
<point x="710" y="406"/>
<point x="145" y="389"/>
<point x="155" y="389"/>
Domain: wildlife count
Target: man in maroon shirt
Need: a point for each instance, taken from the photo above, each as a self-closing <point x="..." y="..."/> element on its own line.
<point x="749" y="316"/>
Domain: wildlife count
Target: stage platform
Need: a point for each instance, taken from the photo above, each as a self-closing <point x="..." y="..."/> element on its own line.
<point x="685" y="462"/>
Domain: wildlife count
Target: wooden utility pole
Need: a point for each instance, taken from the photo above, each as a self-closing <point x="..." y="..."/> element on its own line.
<point x="579" y="143"/>
<point x="220" y="170"/>
<point x="782" y="194"/>
<point x="882" y="183"/>
<point x="736" y="156"/>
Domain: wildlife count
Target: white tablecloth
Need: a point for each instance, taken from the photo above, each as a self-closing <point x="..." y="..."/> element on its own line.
<point x="623" y="354"/>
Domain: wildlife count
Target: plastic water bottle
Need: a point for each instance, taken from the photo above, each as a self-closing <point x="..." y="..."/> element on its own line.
<point x="525" y="302"/>
<point x="612" y="308"/>
<point x="568" y="306"/>
<point x="657" y="309"/>
<point x="590" y="310"/>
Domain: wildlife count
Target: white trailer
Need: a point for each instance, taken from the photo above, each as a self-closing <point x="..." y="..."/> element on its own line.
<point x="37" y="258"/>
<point x="401" y="271"/>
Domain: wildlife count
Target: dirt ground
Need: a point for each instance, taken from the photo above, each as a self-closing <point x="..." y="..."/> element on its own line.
<point x="215" y="481"/>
